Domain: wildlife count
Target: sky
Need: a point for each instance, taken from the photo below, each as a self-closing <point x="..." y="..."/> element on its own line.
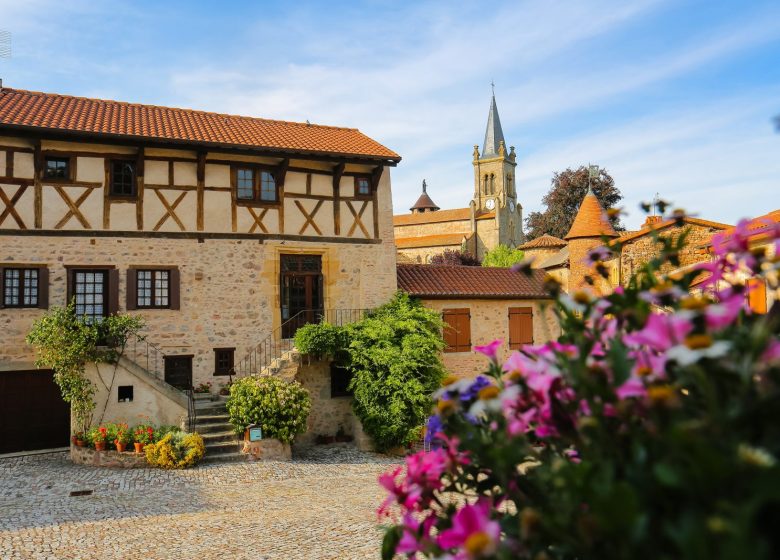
<point x="675" y="97"/>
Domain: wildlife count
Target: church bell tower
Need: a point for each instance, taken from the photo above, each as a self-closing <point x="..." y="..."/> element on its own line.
<point x="494" y="187"/>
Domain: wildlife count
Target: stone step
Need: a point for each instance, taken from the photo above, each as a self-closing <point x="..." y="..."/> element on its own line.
<point x="220" y="448"/>
<point x="210" y="409"/>
<point x="215" y="428"/>
<point x="235" y="457"/>
<point x="211" y="418"/>
<point x="227" y="436"/>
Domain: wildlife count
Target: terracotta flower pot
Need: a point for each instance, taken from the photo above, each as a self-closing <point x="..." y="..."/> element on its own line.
<point x="139" y="447"/>
<point x="100" y="446"/>
<point x="120" y="446"/>
<point x="79" y="443"/>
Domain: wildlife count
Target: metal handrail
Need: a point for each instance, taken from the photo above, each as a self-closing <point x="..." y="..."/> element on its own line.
<point x="276" y="345"/>
<point x="153" y="360"/>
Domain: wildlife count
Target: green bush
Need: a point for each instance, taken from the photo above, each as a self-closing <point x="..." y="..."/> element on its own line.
<point x="394" y="354"/>
<point x="279" y="407"/>
<point x="321" y="340"/>
<point x="502" y="257"/>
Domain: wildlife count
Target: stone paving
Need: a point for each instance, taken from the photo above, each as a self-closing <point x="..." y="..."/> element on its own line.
<point x="321" y="505"/>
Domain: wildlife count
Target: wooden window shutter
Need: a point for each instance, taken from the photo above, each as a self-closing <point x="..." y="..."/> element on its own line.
<point x="175" y="288"/>
<point x="450" y="331"/>
<point x="457" y="330"/>
<point x="132" y="289"/>
<point x="43" y="287"/>
<point x="464" y="331"/>
<point x="757" y="295"/>
<point x="113" y="291"/>
<point x="521" y="327"/>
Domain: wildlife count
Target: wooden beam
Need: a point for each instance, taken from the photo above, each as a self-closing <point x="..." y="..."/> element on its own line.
<point x="376" y="175"/>
<point x="139" y="188"/>
<point x="106" y="192"/>
<point x="338" y="171"/>
<point x="281" y="175"/>
<point x="37" y="175"/>
<point x="201" y="176"/>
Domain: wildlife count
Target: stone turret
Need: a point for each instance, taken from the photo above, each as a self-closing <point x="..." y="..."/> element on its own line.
<point x="424" y="203"/>
<point x="590" y="224"/>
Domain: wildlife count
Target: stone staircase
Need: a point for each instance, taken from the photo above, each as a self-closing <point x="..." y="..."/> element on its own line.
<point x="211" y="422"/>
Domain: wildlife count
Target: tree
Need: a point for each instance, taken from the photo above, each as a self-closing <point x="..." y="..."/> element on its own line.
<point x="502" y="257"/>
<point x="563" y="200"/>
<point x="451" y="257"/>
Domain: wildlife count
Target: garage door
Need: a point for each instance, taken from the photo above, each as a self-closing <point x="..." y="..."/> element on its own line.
<point x="32" y="412"/>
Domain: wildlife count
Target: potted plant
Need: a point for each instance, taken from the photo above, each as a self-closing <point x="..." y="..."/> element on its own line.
<point x="79" y="439"/>
<point x="98" y="437"/>
<point x="224" y="389"/>
<point x="123" y="437"/>
<point x="142" y="434"/>
<point x="202" y="391"/>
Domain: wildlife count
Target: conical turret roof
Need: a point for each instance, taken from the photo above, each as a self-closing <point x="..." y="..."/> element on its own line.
<point x="591" y="220"/>
<point x="494" y="135"/>
<point x="424" y="202"/>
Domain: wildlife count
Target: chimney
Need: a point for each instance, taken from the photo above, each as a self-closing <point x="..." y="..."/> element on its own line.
<point x="652" y="220"/>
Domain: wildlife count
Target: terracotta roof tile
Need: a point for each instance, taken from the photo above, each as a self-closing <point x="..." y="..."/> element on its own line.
<point x="591" y="220"/>
<point x="761" y="226"/>
<point x="438" y="240"/>
<point x="452" y="215"/>
<point x="424" y="203"/>
<point x="666" y="223"/>
<point x="456" y="282"/>
<point x="545" y="241"/>
<point x="115" y="118"/>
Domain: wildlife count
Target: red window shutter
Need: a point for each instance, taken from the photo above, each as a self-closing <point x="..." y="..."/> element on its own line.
<point x="131" y="286"/>
<point x="43" y="287"/>
<point x="113" y="291"/>
<point x="175" y="288"/>
<point x="521" y="327"/>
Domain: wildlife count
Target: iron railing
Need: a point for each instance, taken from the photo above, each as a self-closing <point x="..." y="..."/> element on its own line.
<point x="280" y="342"/>
<point x="151" y="358"/>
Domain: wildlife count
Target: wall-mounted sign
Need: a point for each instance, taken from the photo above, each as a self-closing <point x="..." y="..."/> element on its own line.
<point x="255" y="433"/>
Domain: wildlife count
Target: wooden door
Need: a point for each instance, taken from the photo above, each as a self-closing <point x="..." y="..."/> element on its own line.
<point x="32" y="412"/>
<point x="178" y="371"/>
<point x="301" y="292"/>
<point x="521" y="327"/>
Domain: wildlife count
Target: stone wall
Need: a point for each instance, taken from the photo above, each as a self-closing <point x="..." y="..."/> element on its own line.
<point x="328" y="414"/>
<point x="642" y="249"/>
<point x="489" y="321"/>
<point x="90" y="457"/>
<point x="229" y="287"/>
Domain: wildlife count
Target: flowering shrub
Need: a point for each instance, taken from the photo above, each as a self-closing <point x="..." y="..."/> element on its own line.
<point x="176" y="450"/>
<point x="98" y="434"/>
<point x="281" y="408"/>
<point x="650" y="429"/>
<point x="121" y="433"/>
<point x="143" y="433"/>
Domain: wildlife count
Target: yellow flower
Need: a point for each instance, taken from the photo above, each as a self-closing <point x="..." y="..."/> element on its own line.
<point x="489" y="392"/>
<point x="698" y="341"/>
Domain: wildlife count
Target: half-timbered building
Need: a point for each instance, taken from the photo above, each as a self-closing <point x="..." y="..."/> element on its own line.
<point x="215" y="228"/>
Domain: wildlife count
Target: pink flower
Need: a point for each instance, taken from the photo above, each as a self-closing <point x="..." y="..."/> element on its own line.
<point x="490" y="350"/>
<point x="473" y="533"/>
<point x="723" y="314"/>
<point x="413" y="540"/>
<point x="772" y="352"/>
<point x="633" y="387"/>
<point x="661" y="331"/>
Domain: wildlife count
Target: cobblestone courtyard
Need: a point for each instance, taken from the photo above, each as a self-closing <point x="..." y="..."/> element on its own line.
<point x="319" y="506"/>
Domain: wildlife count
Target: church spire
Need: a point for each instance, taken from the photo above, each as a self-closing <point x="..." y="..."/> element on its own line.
<point x="494" y="136"/>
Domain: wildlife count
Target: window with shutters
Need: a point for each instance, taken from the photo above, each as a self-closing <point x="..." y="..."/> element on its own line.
<point x="457" y="330"/>
<point x="24" y="287"/>
<point x="152" y="287"/>
<point x="521" y="327"/>
<point x="94" y="292"/>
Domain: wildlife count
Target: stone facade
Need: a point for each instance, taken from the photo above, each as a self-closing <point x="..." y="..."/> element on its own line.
<point x="267" y="450"/>
<point x="328" y="413"/>
<point x="489" y="321"/>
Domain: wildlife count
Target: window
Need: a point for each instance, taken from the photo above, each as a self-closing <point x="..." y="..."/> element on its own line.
<point x="57" y="168"/>
<point x="224" y="361"/>
<point x="362" y="186"/>
<point x="267" y="187"/>
<point x="521" y="327"/>
<point x="122" y="178"/>
<point x="245" y="184"/>
<point x="90" y="289"/>
<point x="125" y="393"/>
<point x="339" y="381"/>
<point x="20" y="287"/>
<point x="457" y="330"/>
<point x="153" y="288"/>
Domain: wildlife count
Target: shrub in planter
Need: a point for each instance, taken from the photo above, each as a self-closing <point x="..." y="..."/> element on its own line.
<point x="176" y="450"/>
<point x="320" y="340"/>
<point x="279" y="407"/>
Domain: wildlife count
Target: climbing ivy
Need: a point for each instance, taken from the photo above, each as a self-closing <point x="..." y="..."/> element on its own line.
<point x="66" y="343"/>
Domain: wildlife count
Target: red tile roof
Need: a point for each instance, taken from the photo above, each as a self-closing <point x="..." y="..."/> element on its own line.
<point x="760" y="228"/>
<point x="469" y="282"/>
<point x="545" y="241"/>
<point x="438" y="240"/>
<point x="452" y="215"/>
<point x="64" y="113"/>
<point x="666" y="223"/>
<point x="591" y="220"/>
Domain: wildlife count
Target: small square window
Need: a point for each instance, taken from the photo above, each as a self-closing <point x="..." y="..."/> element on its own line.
<point x="362" y="186"/>
<point x="267" y="187"/>
<point x="125" y="393"/>
<point x="245" y="184"/>
<point x="122" y="178"/>
<point x="20" y="287"/>
<point x="57" y="168"/>
<point x="223" y="361"/>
